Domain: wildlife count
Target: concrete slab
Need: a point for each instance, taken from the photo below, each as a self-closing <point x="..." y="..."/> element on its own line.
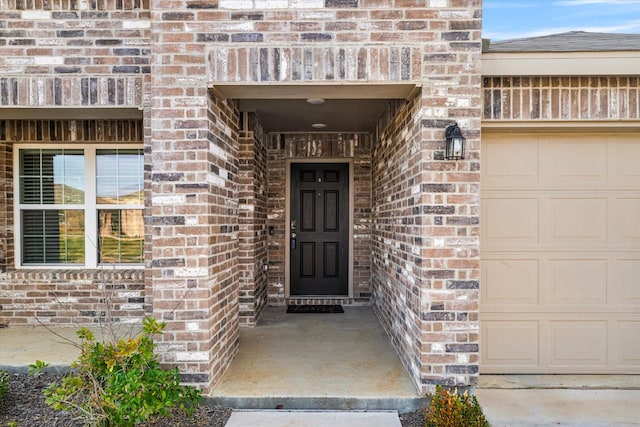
<point x="291" y="361"/>
<point x="573" y="408"/>
<point x="313" y="419"/>
<point x="317" y="361"/>
<point x="21" y="346"/>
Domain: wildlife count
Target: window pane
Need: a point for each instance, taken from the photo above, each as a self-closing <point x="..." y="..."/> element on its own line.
<point x="51" y="176"/>
<point x="119" y="177"/>
<point x="121" y="234"/>
<point x="52" y="236"/>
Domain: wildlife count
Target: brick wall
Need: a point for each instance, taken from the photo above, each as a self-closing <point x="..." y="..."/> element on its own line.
<point x="426" y="249"/>
<point x="78" y="53"/>
<point x="320" y="146"/>
<point x="71" y="297"/>
<point x="366" y="40"/>
<point x="397" y="282"/>
<point x="67" y="53"/>
<point x="65" y="296"/>
<point x="72" y="53"/>
<point x="252" y="219"/>
<point x="561" y="98"/>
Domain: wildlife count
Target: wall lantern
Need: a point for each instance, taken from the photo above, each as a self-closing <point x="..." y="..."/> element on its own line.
<point x="455" y="143"/>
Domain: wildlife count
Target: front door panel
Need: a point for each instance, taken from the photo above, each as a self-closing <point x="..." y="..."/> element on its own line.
<point x="319" y="229"/>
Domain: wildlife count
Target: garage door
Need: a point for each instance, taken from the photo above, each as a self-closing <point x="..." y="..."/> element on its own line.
<point x="560" y="248"/>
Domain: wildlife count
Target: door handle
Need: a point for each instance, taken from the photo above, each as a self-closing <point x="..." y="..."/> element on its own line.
<point x="293" y="241"/>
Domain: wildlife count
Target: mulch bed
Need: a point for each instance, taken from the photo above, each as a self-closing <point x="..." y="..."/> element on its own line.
<point x="24" y="405"/>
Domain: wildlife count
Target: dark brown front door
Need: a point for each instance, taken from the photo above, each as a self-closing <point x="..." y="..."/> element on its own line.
<point x="319" y="229"/>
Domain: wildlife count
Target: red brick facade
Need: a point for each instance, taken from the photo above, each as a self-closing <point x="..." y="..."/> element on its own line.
<point x="74" y="53"/>
<point x="216" y="182"/>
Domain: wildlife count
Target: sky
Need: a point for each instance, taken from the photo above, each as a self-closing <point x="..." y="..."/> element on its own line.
<point x="511" y="19"/>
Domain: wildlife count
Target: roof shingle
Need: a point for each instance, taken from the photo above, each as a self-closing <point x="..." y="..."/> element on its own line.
<point x="573" y="41"/>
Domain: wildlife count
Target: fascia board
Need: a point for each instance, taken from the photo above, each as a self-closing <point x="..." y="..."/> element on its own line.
<point x="561" y="64"/>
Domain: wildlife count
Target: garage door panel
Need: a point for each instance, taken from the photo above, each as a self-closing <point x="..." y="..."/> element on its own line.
<point x="628" y="343"/>
<point x="628" y="271"/>
<point x="560" y="251"/>
<point x="578" y="343"/>
<point x="510" y="343"/>
<point x="577" y="221"/>
<point x="628" y="223"/>
<point x="510" y="281"/>
<point x="510" y="221"/>
<point x="578" y="281"/>
<point x="575" y="162"/>
<point x="516" y="164"/>
<point x="627" y="161"/>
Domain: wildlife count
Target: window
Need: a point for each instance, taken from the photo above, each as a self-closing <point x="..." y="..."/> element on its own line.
<point x="79" y="206"/>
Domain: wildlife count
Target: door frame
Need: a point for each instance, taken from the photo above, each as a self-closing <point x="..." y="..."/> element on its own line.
<point x="287" y="216"/>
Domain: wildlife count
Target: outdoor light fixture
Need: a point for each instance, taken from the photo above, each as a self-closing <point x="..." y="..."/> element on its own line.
<point x="315" y="101"/>
<point x="455" y="143"/>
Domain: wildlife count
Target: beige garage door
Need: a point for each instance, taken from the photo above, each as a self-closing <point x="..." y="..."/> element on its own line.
<point x="560" y="249"/>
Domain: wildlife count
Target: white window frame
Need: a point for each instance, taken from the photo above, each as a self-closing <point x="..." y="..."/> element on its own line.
<point x="90" y="206"/>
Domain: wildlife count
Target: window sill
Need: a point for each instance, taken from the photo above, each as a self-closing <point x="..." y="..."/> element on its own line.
<point x="96" y="274"/>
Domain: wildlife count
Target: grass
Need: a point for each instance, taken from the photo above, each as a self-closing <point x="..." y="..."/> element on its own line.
<point x="121" y="250"/>
<point x="112" y="249"/>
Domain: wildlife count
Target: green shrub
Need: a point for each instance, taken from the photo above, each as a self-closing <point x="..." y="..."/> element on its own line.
<point x="450" y="409"/>
<point x="120" y="383"/>
<point x="4" y="383"/>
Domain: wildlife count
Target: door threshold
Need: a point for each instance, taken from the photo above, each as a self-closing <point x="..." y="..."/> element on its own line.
<point x="315" y="299"/>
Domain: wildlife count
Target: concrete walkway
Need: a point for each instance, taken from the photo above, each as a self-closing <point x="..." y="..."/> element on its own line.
<point x="560" y="407"/>
<point x="565" y="400"/>
<point x="313" y="419"/>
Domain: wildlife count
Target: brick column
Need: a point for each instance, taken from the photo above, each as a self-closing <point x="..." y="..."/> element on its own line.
<point x="194" y="213"/>
<point x="195" y="236"/>
<point x="426" y="263"/>
<point x="449" y="210"/>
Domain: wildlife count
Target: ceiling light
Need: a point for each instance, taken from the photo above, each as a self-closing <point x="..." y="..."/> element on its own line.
<point x="315" y="101"/>
<point x="318" y="125"/>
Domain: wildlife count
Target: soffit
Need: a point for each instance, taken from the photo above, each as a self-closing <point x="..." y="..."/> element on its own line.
<point x="349" y="107"/>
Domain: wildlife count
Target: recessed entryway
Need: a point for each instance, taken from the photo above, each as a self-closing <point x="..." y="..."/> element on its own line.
<point x="319" y="229"/>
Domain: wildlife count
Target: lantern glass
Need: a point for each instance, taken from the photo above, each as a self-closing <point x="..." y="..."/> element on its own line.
<point x="456" y="148"/>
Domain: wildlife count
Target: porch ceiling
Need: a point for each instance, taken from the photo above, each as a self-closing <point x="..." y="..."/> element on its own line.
<point x="347" y="107"/>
